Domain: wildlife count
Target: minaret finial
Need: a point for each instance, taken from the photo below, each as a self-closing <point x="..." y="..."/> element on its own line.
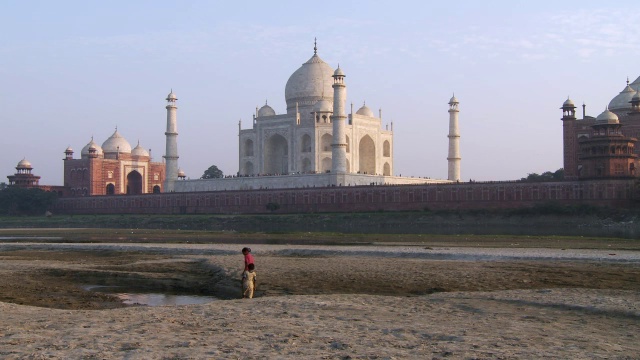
<point x="315" y="46"/>
<point x="627" y="80"/>
<point x="266" y="102"/>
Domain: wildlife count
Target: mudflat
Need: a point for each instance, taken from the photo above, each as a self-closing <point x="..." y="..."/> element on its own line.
<point x="383" y="300"/>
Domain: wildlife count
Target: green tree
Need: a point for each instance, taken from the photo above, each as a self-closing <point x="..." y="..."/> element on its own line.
<point x="272" y="206"/>
<point x="557" y="175"/>
<point x="3" y="185"/>
<point x="18" y="201"/>
<point x="212" y="173"/>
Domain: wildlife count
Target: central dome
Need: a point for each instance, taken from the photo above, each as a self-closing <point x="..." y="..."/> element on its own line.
<point x="310" y="83"/>
<point x="622" y="101"/>
<point x="116" y="144"/>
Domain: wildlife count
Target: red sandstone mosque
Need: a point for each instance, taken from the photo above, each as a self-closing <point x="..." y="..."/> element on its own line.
<point x="111" y="169"/>
<point x="604" y="146"/>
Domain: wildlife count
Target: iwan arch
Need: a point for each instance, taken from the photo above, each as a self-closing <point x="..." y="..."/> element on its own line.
<point x="315" y="143"/>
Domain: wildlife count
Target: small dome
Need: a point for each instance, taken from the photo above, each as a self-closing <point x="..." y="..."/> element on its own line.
<point x="181" y="173"/>
<point x="24" y="164"/>
<point x="568" y="102"/>
<point x="266" y="110"/>
<point x="622" y="100"/>
<point x="323" y="106"/>
<point x="338" y="72"/>
<point x="171" y="96"/>
<point x="636" y="97"/>
<point x="607" y="117"/>
<point x="139" y="151"/>
<point x="68" y="150"/>
<point x="453" y="100"/>
<point x="85" y="150"/>
<point x="365" y="111"/>
<point x="116" y="143"/>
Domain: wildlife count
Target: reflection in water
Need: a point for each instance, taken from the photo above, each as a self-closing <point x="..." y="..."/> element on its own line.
<point x="163" y="299"/>
<point x="150" y="299"/>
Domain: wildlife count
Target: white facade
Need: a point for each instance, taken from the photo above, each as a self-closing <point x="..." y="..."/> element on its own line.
<point x="301" y="141"/>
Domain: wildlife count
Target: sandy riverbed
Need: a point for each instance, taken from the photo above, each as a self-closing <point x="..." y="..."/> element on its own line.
<point x="371" y="302"/>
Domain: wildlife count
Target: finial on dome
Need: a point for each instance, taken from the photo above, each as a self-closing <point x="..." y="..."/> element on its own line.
<point x="315" y="46"/>
<point x="265" y="102"/>
<point x="627" y="80"/>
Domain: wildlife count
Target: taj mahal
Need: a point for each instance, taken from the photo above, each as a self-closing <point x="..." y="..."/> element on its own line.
<point x="316" y="143"/>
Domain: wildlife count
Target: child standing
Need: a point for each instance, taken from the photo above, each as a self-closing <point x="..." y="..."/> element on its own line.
<point x="248" y="258"/>
<point x="249" y="281"/>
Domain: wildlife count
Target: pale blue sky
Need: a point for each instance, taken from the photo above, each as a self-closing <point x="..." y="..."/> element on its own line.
<point x="73" y="69"/>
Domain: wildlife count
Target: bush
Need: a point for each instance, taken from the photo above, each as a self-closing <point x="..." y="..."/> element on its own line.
<point x="18" y="201"/>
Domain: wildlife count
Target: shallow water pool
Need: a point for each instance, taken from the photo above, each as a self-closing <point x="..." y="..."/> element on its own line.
<point x="151" y="299"/>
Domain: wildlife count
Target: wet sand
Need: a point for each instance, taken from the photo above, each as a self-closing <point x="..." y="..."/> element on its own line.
<point x="321" y="302"/>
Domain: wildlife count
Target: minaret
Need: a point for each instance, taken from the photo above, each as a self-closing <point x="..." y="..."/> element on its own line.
<point x="570" y="140"/>
<point x="454" y="141"/>
<point x="339" y="145"/>
<point x="171" y="154"/>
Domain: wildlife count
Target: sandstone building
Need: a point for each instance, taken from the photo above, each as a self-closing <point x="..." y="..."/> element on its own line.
<point x="603" y="147"/>
<point x="111" y="169"/>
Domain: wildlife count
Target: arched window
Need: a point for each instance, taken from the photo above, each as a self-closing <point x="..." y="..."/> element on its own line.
<point x="111" y="189"/>
<point x="248" y="147"/>
<point x="386" y="148"/>
<point x="306" y="143"/>
<point x="156" y="189"/>
<point x="326" y="142"/>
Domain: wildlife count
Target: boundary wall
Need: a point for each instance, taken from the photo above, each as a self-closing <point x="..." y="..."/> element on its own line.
<point x="464" y="196"/>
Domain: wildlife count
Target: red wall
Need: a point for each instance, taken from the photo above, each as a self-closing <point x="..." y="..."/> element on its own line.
<point x="487" y="195"/>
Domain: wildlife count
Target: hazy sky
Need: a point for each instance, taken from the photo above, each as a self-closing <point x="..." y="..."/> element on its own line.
<point x="73" y="69"/>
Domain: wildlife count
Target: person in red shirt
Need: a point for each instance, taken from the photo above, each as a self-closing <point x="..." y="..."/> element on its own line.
<point x="248" y="258"/>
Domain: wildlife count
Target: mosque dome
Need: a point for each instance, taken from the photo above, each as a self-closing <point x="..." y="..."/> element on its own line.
<point x="310" y="83"/>
<point x="171" y="96"/>
<point x="116" y="143"/>
<point x="622" y="100"/>
<point x="635" y="85"/>
<point x="139" y="151"/>
<point x="568" y="102"/>
<point x="23" y="164"/>
<point x="607" y="117"/>
<point x="323" y="106"/>
<point x="365" y="111"/>
<point x="181" y="173"/>
<point x="85" y="150"/>
<point x="68" y="149"/>
<point x="338" y="72"/>
<point x="266" y="110"/>
<point x="453" y="100"/>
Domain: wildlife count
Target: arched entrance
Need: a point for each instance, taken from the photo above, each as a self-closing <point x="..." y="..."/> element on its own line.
<point x="134" y="183"/>
<point x="111" y="189"/>
<point x="276" y="152"/>
<point x="326" y="165"/>
<point x="248" y="168"/>
<point x="367" y="151"/>
<point x="306" y="165"/>
<point x="387" y="170"/>
<point x="156" y="189"/>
